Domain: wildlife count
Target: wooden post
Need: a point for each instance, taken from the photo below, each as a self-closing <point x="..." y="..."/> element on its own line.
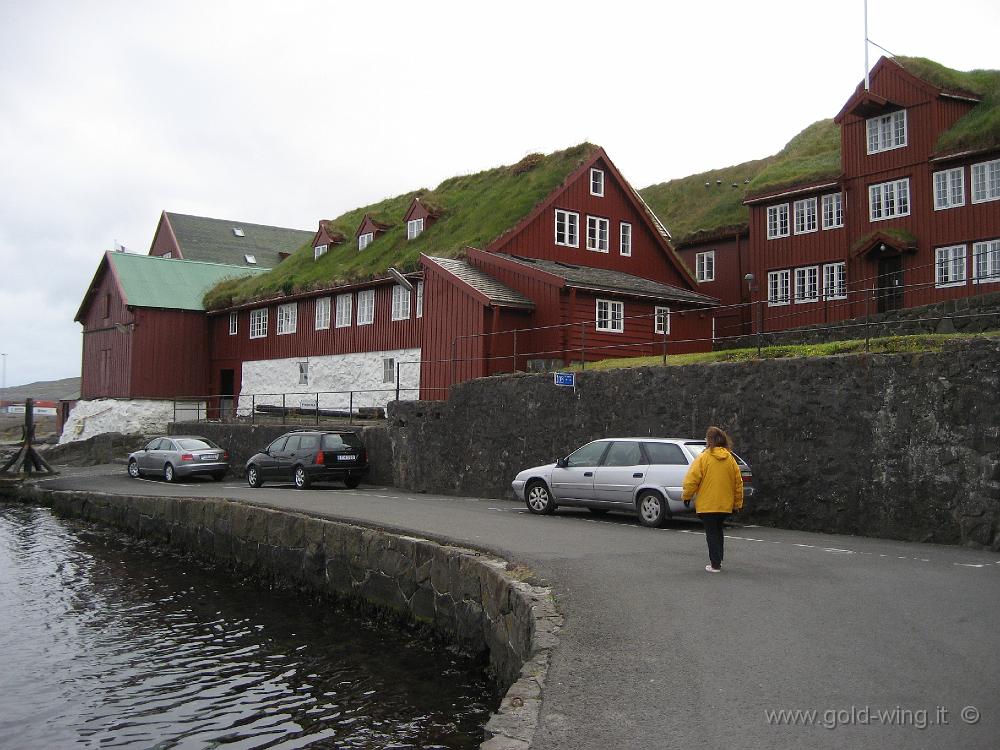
<point x="28" y="460"/>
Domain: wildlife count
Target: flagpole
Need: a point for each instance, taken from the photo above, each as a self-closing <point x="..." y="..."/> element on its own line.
<point x="866" y="46"/>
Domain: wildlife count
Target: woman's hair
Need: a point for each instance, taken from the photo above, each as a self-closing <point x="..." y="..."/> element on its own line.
<point x="716" y="438"/>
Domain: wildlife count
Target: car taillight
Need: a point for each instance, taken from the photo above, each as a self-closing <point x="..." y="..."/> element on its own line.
<point x="747" y="478"/>
<point x="187" y="457"/>
<point x="225" y="455"/>
<point x="320" y="458"/>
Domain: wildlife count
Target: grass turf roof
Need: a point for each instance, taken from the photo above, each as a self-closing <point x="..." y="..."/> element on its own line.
<point x="475" y="210"/>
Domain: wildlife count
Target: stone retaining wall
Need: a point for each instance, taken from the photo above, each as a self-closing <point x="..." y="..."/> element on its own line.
<point x="463" y="595"/>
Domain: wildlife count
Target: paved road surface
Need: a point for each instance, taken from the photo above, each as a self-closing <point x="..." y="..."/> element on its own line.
<point x="887" y="642"/>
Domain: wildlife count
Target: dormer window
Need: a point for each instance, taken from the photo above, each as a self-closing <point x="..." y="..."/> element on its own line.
<point x="250" y="259"/>
<point x="238" y="232"/>
<point x="413" y="228"/>
<point x="597" y="182"/>
<point x="887" y="132"/>
<point x="167" y="254"/>
<point x="365" y="240"/>
<point x="319" y="250"/>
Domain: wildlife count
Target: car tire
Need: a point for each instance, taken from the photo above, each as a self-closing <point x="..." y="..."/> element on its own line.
<point x="538" y="498"/>
<point x="301" y="478"/>
<point x="253" y="477"/>
<point x="652" y="509"/>
<point x="168" y="473"/>
<point x="133" y="469"/>
<point x="352" y="482"/>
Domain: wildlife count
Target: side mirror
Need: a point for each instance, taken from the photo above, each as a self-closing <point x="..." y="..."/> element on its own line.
<point x="562" y="463"/>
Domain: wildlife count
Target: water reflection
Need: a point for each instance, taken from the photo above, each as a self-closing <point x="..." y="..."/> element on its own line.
<point x="106" y="642"/>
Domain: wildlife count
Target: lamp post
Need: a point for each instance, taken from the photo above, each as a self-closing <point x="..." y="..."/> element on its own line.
<point x="3" y="383"/>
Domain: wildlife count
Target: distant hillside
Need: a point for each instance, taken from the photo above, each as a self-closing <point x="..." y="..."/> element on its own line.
<point x="45" y="390"/>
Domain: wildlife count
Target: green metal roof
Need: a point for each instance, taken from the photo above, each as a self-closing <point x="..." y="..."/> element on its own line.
<point x="150" y="281"/>
<point x="214" y="241"/>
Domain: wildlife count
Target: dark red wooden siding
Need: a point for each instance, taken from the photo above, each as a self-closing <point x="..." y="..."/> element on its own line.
<point x="169" y="354"/>
<point x="452" y="347"/>
<point x="164" y="241"/>
<point x="107" y="351"/>
<point x="729" y="287"/>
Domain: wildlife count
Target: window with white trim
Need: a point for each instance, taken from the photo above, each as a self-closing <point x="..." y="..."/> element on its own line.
<point x="889" y="199"/>
<point x="986" y="181"/>
<point x="365" y="240"/>
<point x="986" y="262"/>
<point x="322" y="313"/>
<point x="597" y="182"/>
<point x="949" y="266"/>
<point x="610" y="316"/>
<point x="887" y="132"/>
<point x="303" y="373"/>
<point x="805" y="216"/>
<point x="388" y="370"/>
<point x="344" y="310"/>
<point x="705" y="266"/>
<point x="835" y="281"/>
<point x="400" y="303"/>
<point x="366" y="307"/>
<point x="807" y="284"/>
<point x="777" y="287"/>
<point x="420" y="299"/>
<point x="567" y="228"/>
<point x="258" y="323"/>
<point x="661" y="320"/>
<point x="234" y="323"/>
<point x="625" y="238"/>
<point x="318" y="251"/>
<point x="777" y="221"/>
<point x="414" y="227"/>
<point x="597" y="234"/>
<point x="833" y="211"/>
<point x="288" y="316"/>
<point x="949" y="188"/>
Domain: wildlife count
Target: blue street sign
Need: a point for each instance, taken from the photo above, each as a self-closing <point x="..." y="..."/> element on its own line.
<point x="565" y="379"/>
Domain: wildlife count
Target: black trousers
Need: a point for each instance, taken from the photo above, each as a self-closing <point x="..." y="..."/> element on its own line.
<point x="713" y="535"/>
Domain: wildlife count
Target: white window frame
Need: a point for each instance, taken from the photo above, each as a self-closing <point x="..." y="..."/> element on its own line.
<point x="322" y="313"/>
<point x="833" y="211"/>
<point x="704" y="264"/>
<point x="778" y="287"/>
<point x="234" y="323"/>
<point x="806" y="285"/>
<point x="805" y="216"/>
<point x="597" y="182"/>
<point x="365" y="240"/>
<point x="258" y="323"/>
<point x="886" y="132"/>
<point x="986" y="262"/>
<point x="400" y="302"/>
<point x="598" y="230"/>
<point x="986" y="181"/>
<point x="949" y="266"/>
<point x="388" y="369"/>
<point x="835" y="281"/>
<point x="610" y="316"/>
<point x="303" y="373"/>
<point x="887" y="200"/>
<point x="661" y="320"/>
<point x="949" y="188"/>
<point x="420" y="299"/>
<point x="319" y="250"/>
<point x="777" y="221"/>
<point x="366" y="307"/>
<point x="344" y="305"/>
<point x="625" y="239"/>
<point x="414" y="228"/>
<point x="567" y="225"/>
<point x="288" y="319"/>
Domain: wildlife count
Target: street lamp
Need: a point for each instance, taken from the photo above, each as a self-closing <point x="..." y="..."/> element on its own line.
<point x="3" y="384"/>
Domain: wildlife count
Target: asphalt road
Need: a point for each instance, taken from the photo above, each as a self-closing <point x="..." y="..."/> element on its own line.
<point x="892" y="645"/>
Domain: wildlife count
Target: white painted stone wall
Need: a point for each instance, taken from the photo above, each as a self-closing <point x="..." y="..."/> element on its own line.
<point x="142" y="417"/>
<point x="333" y="377"/>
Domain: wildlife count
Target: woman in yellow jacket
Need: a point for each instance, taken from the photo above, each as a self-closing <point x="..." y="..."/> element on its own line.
<point x="715" y="478"/>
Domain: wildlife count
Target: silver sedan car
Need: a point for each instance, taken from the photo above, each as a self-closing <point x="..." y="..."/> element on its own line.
<point x="179" y="456"/>
<point x="639" y="475"/>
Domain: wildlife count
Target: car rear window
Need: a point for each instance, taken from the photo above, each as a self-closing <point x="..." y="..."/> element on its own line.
<point x="308" y="442"/>
<point x="698" y="447"/>
<point x="191" y="444"/>
<point x="341" y="441"/>
<point x="665" y="453"/>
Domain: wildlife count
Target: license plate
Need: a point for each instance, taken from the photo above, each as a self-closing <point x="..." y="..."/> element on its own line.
<point x="346" y="458"/>
<point x="210" y="457"/>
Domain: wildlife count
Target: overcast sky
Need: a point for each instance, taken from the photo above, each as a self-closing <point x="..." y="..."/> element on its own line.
<point x="288" y="112"/>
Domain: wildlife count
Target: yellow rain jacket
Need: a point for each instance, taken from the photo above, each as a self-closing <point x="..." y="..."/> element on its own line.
<point x="715" y="478"/>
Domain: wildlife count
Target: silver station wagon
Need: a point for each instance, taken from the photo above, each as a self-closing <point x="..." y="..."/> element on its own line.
<point x="635" y="475"/>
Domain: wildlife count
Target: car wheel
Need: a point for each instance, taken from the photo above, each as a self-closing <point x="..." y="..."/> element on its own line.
<point x="352" y="482"/>
<point x="301" y="478"/>
<point x="538" y="498"/>
<point x="133" y="469"/>
<point x="168" y="473"/>
<point x="652" y="509"/>
<point x="253" y="477"/>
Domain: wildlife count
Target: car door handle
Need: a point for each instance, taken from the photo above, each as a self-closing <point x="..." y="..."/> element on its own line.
<point x="588" y="473"/>
<point x="637" y="475"/>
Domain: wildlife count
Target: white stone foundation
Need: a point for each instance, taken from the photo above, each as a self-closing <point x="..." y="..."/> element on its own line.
<point x="129" y="417"/>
